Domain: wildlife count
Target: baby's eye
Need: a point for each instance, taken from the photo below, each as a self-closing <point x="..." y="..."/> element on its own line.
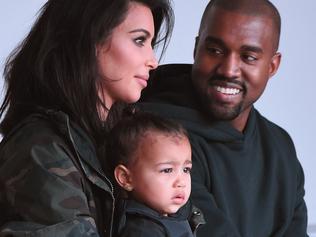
<point x="167" y="170"/>
<point x="187" y="170"/>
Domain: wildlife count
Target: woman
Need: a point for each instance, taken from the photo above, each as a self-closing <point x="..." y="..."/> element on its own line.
<point x="80" y="58"/>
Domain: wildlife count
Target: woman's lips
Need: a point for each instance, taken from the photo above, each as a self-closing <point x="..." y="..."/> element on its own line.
<point x="143" y="80"/>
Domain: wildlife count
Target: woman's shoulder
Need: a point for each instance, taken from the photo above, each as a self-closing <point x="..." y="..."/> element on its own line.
<point x="34" y="142"/>
<point x="31" y="131"/>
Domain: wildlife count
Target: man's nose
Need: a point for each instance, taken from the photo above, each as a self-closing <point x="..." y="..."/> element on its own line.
<point x="230" y="66"/>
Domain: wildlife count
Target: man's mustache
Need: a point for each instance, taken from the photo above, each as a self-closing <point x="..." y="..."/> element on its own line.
<point x="218" y="79"/>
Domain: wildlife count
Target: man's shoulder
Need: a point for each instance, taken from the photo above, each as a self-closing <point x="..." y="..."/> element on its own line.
<point x="272" y="126"/>
<point x="172" y="70"/>
<point x="171" y="84"/>
<point x="274" y="132"/>
<point x="168" y="77"/>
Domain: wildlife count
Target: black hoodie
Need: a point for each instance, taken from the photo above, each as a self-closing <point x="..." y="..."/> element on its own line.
<point x="138" y="220"/>
<point x="248" y="184"/>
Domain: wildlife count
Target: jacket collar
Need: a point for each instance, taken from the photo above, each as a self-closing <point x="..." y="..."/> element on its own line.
<point x="82" y="146"/>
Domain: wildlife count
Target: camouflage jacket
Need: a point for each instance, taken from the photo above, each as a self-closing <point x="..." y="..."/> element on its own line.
<point x="51" y="183"/>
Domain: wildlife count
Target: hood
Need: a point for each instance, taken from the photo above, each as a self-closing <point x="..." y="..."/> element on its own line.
<point x="171" y="83"/>
<point x="170" y="94"/>
<point x="135" y="207"/>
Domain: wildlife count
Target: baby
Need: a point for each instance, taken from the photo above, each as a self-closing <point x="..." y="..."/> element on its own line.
<point x="151" y="160"/>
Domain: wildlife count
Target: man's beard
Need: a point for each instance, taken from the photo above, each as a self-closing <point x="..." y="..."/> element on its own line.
<point x="218" y="112"/>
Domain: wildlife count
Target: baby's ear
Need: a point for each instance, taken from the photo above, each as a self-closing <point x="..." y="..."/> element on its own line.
<point x="123" y="177"/>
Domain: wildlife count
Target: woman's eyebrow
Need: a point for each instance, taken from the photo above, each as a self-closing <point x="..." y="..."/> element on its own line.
<point x="140" y="30"/>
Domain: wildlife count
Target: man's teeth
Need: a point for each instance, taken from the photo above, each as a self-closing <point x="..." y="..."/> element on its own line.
<point x="229" y="91"/>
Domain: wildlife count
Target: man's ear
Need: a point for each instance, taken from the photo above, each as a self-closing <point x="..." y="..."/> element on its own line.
<point x="123" y="177"/>
<point x="274" y="64"/>
<point x="195" y="46"/>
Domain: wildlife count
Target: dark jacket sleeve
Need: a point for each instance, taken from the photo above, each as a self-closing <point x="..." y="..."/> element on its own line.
<point x="298" y="225"/>
<point x="44" y="194"/>
<point x="217" y="223"/>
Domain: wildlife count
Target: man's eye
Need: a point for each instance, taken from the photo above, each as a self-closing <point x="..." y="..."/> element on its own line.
<point x="168" y="170"/>
<point x="215" y="51"/>
<point x="250" y="58"/>
<point x="187" y="170"/>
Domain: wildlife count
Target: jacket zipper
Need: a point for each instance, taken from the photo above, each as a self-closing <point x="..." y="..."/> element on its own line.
<point x="106" y="178"/>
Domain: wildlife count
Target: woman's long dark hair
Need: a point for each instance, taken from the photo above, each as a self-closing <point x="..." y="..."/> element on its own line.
<point x="55" y="66"/>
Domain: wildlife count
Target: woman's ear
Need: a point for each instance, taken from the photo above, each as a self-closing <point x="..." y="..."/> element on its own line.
<point x="123" y="177"/>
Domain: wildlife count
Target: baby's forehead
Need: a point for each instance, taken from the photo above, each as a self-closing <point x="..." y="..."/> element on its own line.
<point x="153" y="136"/>
<point x="156" y="147"/>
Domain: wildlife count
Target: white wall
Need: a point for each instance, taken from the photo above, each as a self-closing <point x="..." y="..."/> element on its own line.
<point x="288" y="99"/>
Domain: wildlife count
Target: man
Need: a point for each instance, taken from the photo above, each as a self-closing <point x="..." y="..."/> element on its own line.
<point x="246" y="177"/>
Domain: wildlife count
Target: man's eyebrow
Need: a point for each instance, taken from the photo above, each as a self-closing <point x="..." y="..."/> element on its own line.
<point x="146" y="32"/>
<point x="211" y="39"/>
<point x="251" y="48"/>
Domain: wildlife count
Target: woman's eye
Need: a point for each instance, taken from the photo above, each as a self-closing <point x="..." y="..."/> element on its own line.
<point x="140" y="41"/>
<point x="167" y="170"/>
<point x="187" y="170"/>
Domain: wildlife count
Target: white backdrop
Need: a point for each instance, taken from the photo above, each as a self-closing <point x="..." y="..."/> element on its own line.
<point x="288" y="99"/>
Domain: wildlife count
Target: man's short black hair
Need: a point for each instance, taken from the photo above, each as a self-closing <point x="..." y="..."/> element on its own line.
<point x="247" y="7"/>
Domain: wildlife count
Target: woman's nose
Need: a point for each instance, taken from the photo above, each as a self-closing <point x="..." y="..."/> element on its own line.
<point x="152" y="62"/>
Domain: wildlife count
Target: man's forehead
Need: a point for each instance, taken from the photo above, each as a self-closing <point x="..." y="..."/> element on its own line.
<point x="213" y="18"/>
<point x="249" y="7"/>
